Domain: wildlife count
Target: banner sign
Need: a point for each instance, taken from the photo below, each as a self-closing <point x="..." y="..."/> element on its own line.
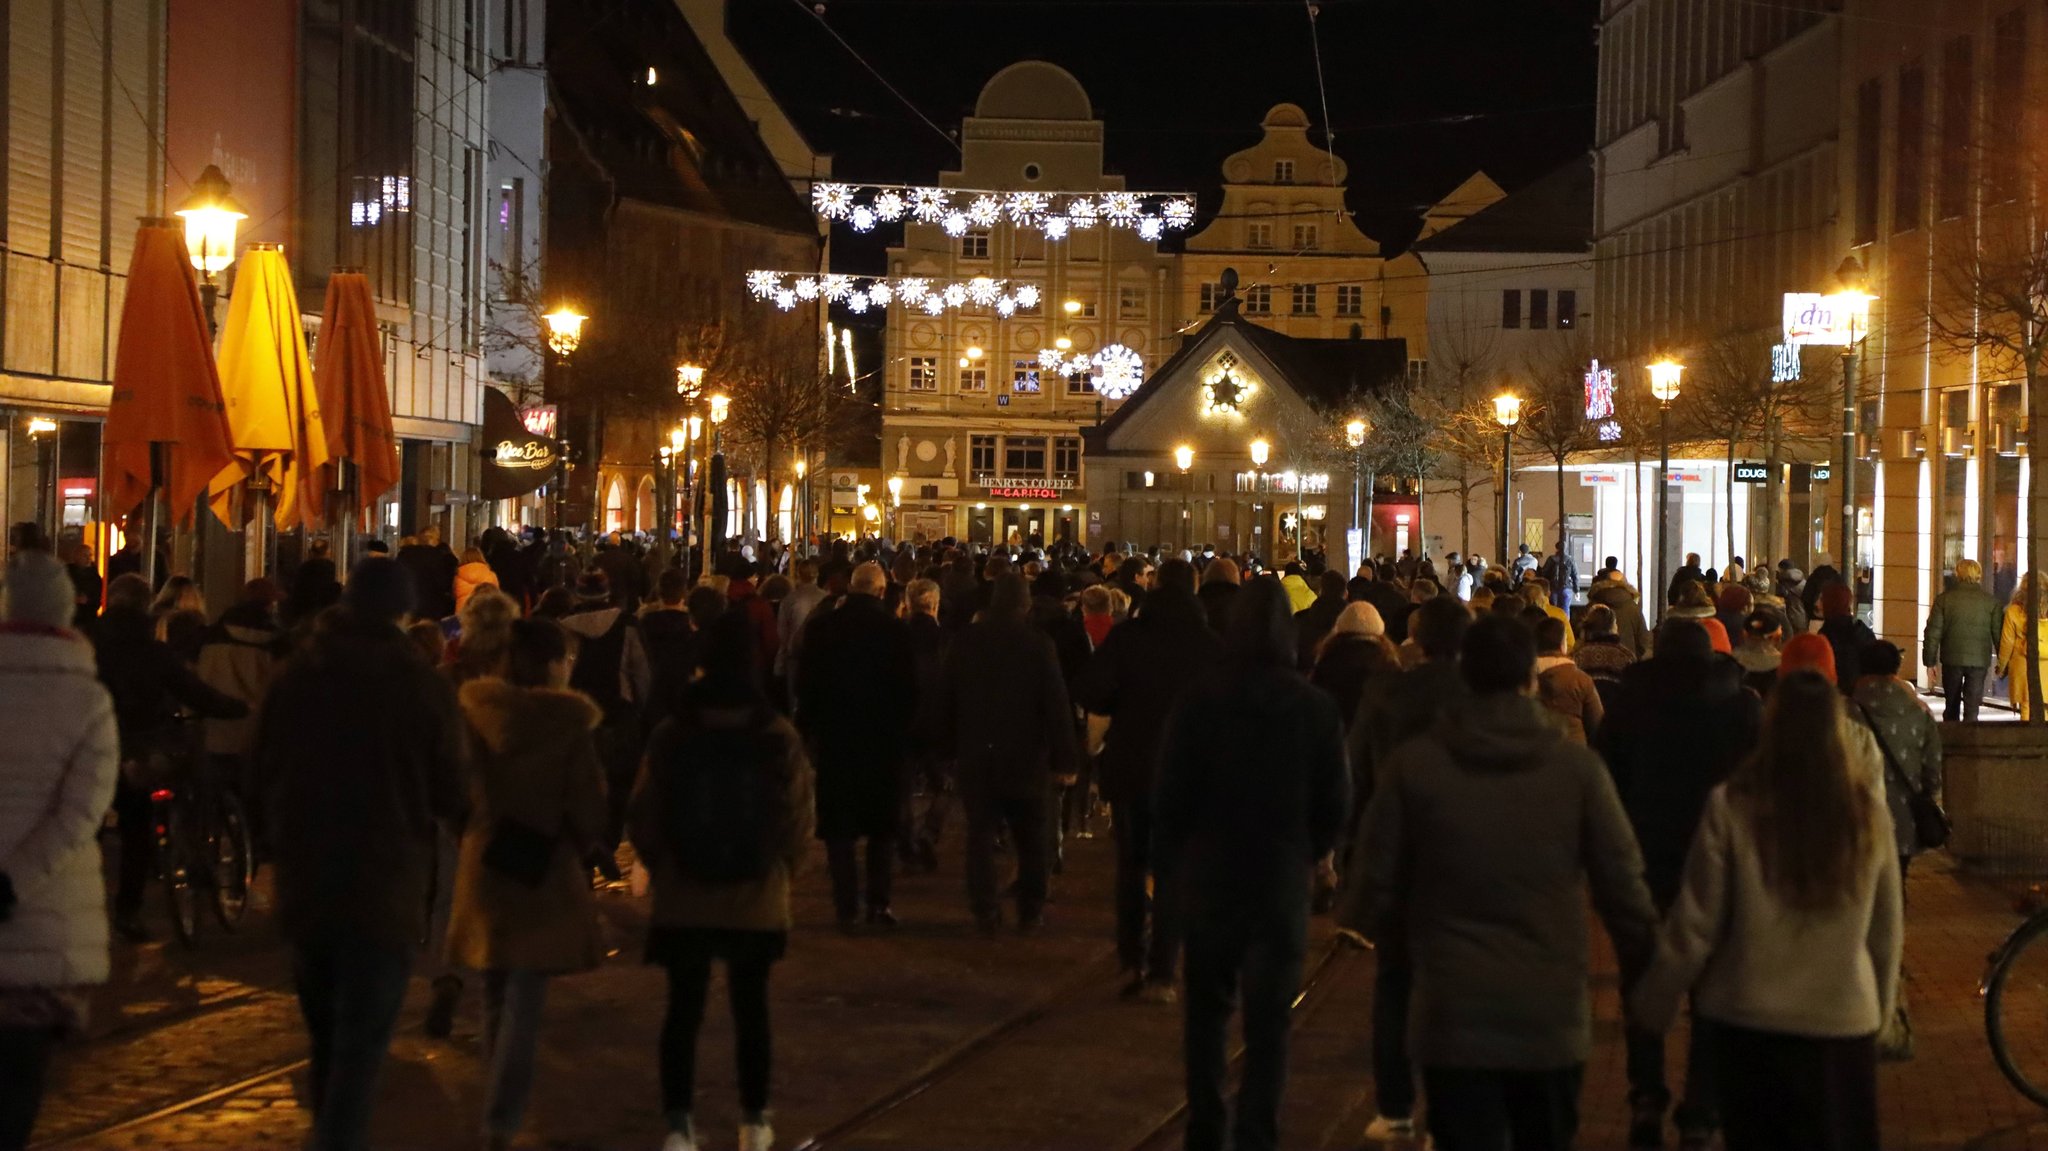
<point x="1751" y="472"/>
<point x="1596" y="479"/>
<point x="1812" y="318"/>
<point x="1599" y="393"/>
<point x="1684" y="478"/>
<point x="516" y="461"/>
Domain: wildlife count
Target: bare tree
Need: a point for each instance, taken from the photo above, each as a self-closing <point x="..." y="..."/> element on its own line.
<point x="1461" y="375"/>
<point x="1554" y="410"/>
<point x="1400" y="443"/>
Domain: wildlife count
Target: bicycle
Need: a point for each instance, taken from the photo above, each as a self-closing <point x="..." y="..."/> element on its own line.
<point x="2015" y="988"/>
<point x="202" y="842"/>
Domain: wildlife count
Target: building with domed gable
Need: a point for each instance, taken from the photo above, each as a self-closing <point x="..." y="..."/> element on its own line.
<point x="988" y="446"/>
<point x="1234" y="382"/>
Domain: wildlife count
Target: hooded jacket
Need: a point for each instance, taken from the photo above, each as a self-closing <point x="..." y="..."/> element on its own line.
<point x="239" y="659"/>
<point x="1677" y="728"/>
<point x="59" y="756"/>
<point x="468" y="578"/>
<point x="532" y="761"/>
<point x="1900" y="724"/>
<point x="1012" y="739"/>
<point x="1628" y="613"/>
<point x="1123" y="681"/>
<point x="1480" y="845"/>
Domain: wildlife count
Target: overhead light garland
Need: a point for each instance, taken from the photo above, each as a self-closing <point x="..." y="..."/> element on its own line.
<point x="1114" y="372"/>
<point x="859" y="293"/>
<point x="1057" y="215"/>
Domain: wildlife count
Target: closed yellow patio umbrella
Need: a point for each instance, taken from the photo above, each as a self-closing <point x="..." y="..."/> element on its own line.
<point x="273" y="406"/>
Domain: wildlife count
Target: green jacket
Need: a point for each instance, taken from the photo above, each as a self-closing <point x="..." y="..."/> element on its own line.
<point x="1962" y="628"/>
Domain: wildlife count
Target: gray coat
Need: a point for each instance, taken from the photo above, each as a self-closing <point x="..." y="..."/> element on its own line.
<point x="1905" y="728"/>
<point x="1482" y="839"/>
<point x="1962" y="628"/>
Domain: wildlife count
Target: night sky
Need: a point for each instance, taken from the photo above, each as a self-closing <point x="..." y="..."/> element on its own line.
<point x="1421" y="92"/>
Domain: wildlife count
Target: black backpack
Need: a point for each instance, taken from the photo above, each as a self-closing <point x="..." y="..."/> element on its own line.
<point x="724" y="799"/>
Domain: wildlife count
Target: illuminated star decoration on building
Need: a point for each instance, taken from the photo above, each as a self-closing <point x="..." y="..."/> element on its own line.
<point x="1224" y="392"/>
<point x="1056" y="215"/>
<point x="1004" y="298"/>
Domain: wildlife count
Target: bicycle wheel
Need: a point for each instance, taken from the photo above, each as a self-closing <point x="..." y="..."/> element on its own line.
<point x="180" y="878"/>
<point x="2016" y="1009"/>
<point x="232" y="861"/>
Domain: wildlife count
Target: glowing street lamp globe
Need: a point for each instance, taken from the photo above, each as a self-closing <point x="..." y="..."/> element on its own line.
<point x="565" y="330"/>
<point x="1507" y="410"/>
<point x="1184" y="457"/>
<point x="719" y="408"/>
<point x="1354" y="433"/>
<point x="1664" y="380"/>
<point x="1261" y="452"/>
<point x="211" y="214"/>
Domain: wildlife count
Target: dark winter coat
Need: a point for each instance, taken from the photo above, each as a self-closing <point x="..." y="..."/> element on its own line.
<point x="671" y="643"/>
<point x="1677" y="728"/>
<point x="1216" y="600"/>
<point x="856" y="695"/>
<point x="1124" y="681"/>
<point x="1628" y="614"/>
<point x="1006" y="715"/>
<point x="1311" y="624"/>
<point x="1347" y="664"/>
<point x="433" y="577"/>
<point x="1963" y="628"/>
<point x="149" y="682"/>
<point x="1252" y="791"/>
<point x="1393" y="608"/>
<point x="1903" y="727"/>
<point x="1394" y="709"/>
<point x="365" y="746"/>
<point x="1479" y="847"/>
<point x="1848" y="636"/>
<point x="930" y="644"/>
<point x="1069" y="639"/>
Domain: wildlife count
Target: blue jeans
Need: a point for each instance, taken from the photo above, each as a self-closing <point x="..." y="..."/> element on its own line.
<point x="512" y="1009"/>
<point x="350" y="991"/>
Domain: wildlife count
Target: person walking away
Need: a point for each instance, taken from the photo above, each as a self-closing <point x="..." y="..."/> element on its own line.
<point x="671" y="642"/>
<point x="610" y="666"/>
<point x="1613" y="590"/>
<point x="1481" y="842"/>
<point x="1563" y="577"/>
<point x="149" y="683"/>
<point x="1909" y="742"/>
<point x="1680" y="724"/>
<point x="474" y="572"/>
<point x="722" y="815"/>
<point x="1391" y="711"/>
<point x="1351" y="656"/>
<point x="433" y="568"/>
<point x="1563" y="687"/>
<point x="2012" y="643"/>
<point x="59" y="758"/>
<point x="1844" y="632"/>
<point x="856" y="697"/>
<point x="238" y="658"/>
<point x="1688" y="573"/>
<point x="1252" y="791"/>
<point x="364" y="745"/>
<point x="804" y="596"/>
<point x="523" y="909"/>
<point x="1123" y="683"/>
<point x="1757" y="652"/>
<point x="1787" y="932"/>
<point x="1523" y="566"/>
<point x="1012" y="746"/>
<point x="931" y="764"/>
<point x="1601" y="653"/>
<point x="1962" y="639"/>
<point x="1219" y="588"/>
<point x="1314" y="622"/>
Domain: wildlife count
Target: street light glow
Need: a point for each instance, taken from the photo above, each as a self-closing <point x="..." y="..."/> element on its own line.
<point x="1507" y="409"/>
<point x="565" y="329"/>
<point x="211" y="215"/>
<point x="1071" y="307"/>
<point x="719" y="404"/>
<point x="1354" y="433"/>
<point x="689" y="378"/>
<point x="1260" y="451"/>
<point x="1184" y="457"/>
<point x="1664" y="379"/>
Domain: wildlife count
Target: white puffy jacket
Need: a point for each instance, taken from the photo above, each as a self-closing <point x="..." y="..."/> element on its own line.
<point x="59" y="756"/>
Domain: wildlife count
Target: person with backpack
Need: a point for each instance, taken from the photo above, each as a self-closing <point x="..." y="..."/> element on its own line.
<point x="610" y="666"/>
<point x="722" y="816"/>
<point x="522" y="908"/>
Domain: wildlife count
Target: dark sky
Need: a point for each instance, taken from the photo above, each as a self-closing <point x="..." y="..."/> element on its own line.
<point x="1421" y="92"/>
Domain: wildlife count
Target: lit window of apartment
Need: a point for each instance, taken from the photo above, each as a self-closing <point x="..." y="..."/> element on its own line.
<point x="1351" y="299"/>
<point x="1307" y="237"/>
<point x="1258" y="300"/>
<point x="1304" y="299"/>
<point x="974" y="246"/>
<point x="974" y="379"/>
<point x="1024" y="377"/>
<point x="924" y="374"/>
<point x="1511" y="308"/>
<point x="1258" y="234"/>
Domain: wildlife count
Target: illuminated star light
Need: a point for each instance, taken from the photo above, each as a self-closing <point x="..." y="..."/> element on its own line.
<point x="1027" y="295"/>
<point x="1119" y="371"/>
<point x="835" y="286"/>
<point x="983" y="290"/>
<point x="913" y="290"/>
<point x="880" y="293"/>
<point x="1150" y="227"/>
<point x="928" y="205"/>
<point x="1120" y="207"/>
<point x="1055" y="227"/>
<point x="785" y="299"/>
<point x="1006" y="307"/>
<point x="1050" y="359"/>
<point x="1025" y="207"/>
<point x="984" y="211"/>
<point x="889" y="206"/>
<point x="1179" y="212"/>
<point x="857" y="302"/>
<point x="833" y="201"/>
<point x="806" y="288"/>
<point x="956" y="295"/>
<point x="1081" y="213"/>
<point x="934" y="305"/>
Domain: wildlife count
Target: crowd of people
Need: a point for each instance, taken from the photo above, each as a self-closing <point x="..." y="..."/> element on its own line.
<point x="450" y="749"/>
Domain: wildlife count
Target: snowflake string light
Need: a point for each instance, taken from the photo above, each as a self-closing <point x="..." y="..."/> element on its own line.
<point x="856" y="302"/>
<point x="806" y="288"/>
<point x="832" y="201"/>
<point x="889" y="206"/>
<point x="984" y="211"/>
<point x="982" y="290"/>
<point x="1025" y="207"/>
<point x="1081" y="213"/>
<point x="1050" y="359"/>
<point x="1179" y="212"/>
<point x="1054" y="227"/>
<point x="1150" y="227"/>
<point x="1118" y="372"/>
<point x="762" y="284"/>
<point x="1006" y="307"/>
<point x="955" y="223"/>
<point x="862" y="218"/>
<point x="934" y="305"/>
<point x="955" y="295"/>
<point x="928" y="205"/>
<point x="1120" y="207"/>
<point x="880" y="293"/>
<point x="913" y="290"/>
<point x="785" y="299"/>
<point x="835" y="287"/>
<point x="1027" y="295"/>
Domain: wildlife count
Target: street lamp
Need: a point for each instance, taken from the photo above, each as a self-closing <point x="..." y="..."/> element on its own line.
<point x="714" y="470"/>
<point x="211" y="214"/>
<point x="689" y="380"/>
<point x="1664" y="376"/>
<point x="1853" y="299"/>
<point x="1071" y="307"/>
<point x="1261" y="452"/>
<point x="896" y="501"/>
<point x="1354" y="435"/>
<point x="565" y="332"/>
<point x="1183" y="458"/>
<point x="1507" y="412"/>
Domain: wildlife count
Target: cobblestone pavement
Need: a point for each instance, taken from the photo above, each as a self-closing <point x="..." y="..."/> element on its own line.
<point x="200" y="1049"/>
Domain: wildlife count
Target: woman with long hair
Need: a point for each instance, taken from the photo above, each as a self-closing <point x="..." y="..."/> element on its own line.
<point x="2012" y="643"/>
<point x="1788" y="931"/>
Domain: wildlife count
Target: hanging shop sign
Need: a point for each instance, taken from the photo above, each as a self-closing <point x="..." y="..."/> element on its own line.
<point x="516" y="461"/>
<point x="1821" y="472"/>
<point x="1751" y="472"/>
<point x="1835" y="320"/>
<point x="1599" y="393"/>
<point x="1052" y="483"/>
<point x="1598" y="479"/>
<point x="1677" y="477"/>
<point x="1784" y="363"/>
<point x="540" y="419"/>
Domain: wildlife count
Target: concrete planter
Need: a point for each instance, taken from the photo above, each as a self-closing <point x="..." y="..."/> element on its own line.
<point x="1996" y="785"/>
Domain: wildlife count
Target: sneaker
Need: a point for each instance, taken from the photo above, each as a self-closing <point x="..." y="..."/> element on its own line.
<point x="441" y="1011"/>
<point x="1386" y="1129"/>
<point x="756" y="1136"/>
<point x="679" y="1141"/>
<point x="1646" y="1124"/>
<point x="1158" y="993"/>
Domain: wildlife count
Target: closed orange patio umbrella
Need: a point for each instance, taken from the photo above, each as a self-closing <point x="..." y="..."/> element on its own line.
<point x="166" y="392"/>
<point x="354" y="406"/>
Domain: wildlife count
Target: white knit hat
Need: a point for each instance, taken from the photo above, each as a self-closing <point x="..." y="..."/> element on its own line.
<point x="38" y="591"/>
<point x="1360" y="618"/>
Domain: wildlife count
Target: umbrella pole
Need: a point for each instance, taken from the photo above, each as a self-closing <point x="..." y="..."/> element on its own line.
<point x="257" y="540"/>
<point x="344" y="526"/>
<point x="159" y="470"/>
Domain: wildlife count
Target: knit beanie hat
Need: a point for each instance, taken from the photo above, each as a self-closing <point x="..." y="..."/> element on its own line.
<point x="1360" y="618"/>
<point x="1808" y="652"/>
<point x="1717" y="633"/>
<point x="39" y="591"/>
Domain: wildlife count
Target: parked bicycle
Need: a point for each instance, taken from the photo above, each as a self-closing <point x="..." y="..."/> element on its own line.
<point x="203" y="845"/>
<point x="2015" y="991"/>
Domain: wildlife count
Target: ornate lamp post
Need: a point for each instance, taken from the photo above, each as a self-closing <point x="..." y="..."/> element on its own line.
<point x="1183" y="458"/>
<point x="1664" y="376"/>
<point x="1854" y="300"/>
<point x="1507" y="412"/>
<point x="896" y="502"/>
<point x="565" y="334"/>
<point x="1261" y="452"/>
<point x="1354" y="435"/>
<point x="211" y="214"/>
<point x="715" y="475"/>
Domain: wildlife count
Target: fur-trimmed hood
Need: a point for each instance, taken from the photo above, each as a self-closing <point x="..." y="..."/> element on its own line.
<point x="527" y="719"/>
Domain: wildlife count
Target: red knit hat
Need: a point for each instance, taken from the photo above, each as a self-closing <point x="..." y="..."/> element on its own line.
<point x="1717" y="634"/>
<point x="1807" y="653"/>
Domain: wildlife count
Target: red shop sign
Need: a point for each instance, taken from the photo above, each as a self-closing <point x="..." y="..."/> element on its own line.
<point x="1024" y="493"/>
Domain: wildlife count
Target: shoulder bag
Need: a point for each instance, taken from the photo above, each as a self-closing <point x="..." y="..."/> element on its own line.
<point x="1930" y="822"/>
